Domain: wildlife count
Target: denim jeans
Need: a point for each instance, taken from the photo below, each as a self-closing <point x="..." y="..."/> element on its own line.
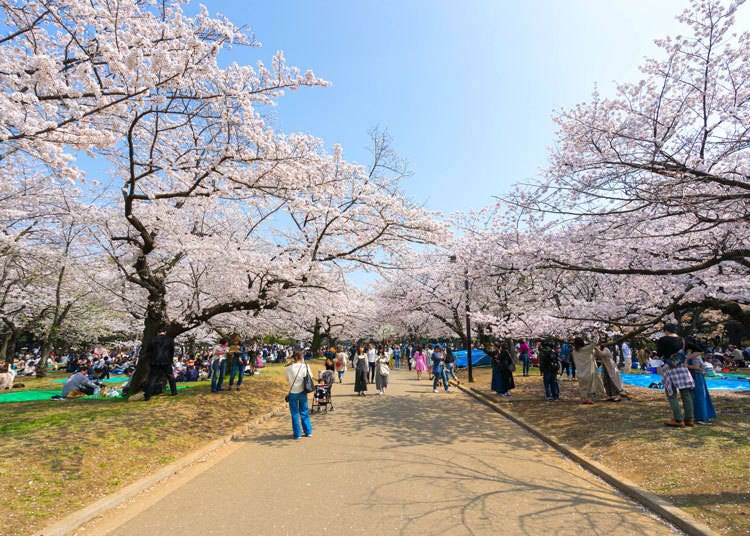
<point x="439" y="375"/>
<point x="551" y="387"/>
<point x="526" y="361"/>
<point x="450" y="370"/>
<point x="238" y="366"/>
<point x="218" y="369"/>
<point x="299" y="411"/>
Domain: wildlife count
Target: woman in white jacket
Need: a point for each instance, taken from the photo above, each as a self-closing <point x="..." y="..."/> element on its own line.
<point x="295" y="374"/>
<point x="340" y="363"/>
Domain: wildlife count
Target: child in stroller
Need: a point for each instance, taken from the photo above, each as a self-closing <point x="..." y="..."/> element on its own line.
<point x="322" y="395"/>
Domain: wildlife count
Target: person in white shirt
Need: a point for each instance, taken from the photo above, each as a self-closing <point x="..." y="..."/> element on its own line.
<point x="627" y="355"/>
<point x="298" y="408"/>
<point x="372" y="355"/>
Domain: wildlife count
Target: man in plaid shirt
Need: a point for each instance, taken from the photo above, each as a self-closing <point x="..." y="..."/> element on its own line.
<point x="676" y="379"/>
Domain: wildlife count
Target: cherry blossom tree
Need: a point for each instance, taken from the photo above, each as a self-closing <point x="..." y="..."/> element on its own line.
<point x="650" y="188"/>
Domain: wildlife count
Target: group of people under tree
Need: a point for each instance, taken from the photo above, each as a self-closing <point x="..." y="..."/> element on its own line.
<point x="682" y="371"/>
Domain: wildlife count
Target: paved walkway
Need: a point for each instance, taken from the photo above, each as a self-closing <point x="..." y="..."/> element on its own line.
<point x="409" y="463"/>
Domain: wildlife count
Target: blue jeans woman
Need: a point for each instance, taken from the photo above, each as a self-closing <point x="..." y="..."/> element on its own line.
<point x="526" y="362"/>
<point x="295" y="375"/>
<point x="218" y="369"/>
<point x="238" y="368"/>
<point x="300" y="412"/>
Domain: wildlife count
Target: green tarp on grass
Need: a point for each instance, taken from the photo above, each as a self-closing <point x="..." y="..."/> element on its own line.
<point x="109" y="380"/>
<point x="33" y="395"/>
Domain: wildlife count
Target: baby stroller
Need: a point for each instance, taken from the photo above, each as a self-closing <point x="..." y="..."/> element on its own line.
<point x="322" y="394"/>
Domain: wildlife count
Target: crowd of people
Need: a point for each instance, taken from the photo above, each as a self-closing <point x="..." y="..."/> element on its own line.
<point x="592" y="361"/>
<point x="596" y="365"/>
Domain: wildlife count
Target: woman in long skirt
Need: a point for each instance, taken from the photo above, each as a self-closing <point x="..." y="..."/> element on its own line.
<point x="703" y="406"/>
<point x="382" y="372"/>
<point x="589" y="382"/>
<point x="502" y="371"/>
<point x="361" y="368"/>
<point x="610" y="375"/>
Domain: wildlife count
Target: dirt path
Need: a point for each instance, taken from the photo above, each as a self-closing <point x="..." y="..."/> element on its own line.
<point x="411" y="463"/>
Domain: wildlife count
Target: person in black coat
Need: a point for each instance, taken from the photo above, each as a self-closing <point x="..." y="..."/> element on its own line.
<point x="161" y="355"/>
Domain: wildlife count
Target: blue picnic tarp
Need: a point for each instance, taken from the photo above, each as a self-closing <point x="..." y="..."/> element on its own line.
<point x="478" y="358"/>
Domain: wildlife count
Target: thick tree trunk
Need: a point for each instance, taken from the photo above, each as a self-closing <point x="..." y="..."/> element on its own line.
<point x="315" y="347"/>
<point x="4" y="347"/>
<point x="44" y="351"/>
<point x="155" y="317"/>
<point x="9" y="346"/>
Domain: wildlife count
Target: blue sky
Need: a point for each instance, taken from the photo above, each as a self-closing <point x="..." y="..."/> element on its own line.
<point x="466" y="89"/>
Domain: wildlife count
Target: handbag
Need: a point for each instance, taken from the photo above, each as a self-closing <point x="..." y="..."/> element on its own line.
<point x="308" y="385"/>
<point x="384" y="369"/>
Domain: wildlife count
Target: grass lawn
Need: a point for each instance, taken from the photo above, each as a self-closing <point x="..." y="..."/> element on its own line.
<point x="59" y="456"/>
<point x="704" y="470"/>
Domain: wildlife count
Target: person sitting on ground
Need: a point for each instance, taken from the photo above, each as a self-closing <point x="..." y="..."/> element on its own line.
<point x="79" y="385"/>
<point x="7" y="377"/>
<point x="735" y="354"/>
<point x="29" y="368"/>
<point x="191" y="373"/>
<point x="126" y="386"/>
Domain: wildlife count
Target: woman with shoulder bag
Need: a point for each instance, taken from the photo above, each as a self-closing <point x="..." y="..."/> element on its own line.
<point x="295" y="374"/>
<point x="382" y="371"/>
<point x="341" y="363"/>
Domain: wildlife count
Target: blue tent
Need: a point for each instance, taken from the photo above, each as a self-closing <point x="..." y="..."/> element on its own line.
<point x="478" y="358"/>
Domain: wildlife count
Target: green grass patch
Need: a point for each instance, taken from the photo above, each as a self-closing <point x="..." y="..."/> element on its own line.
<point x="95" y="446"/>
<point x="703" y="469"/>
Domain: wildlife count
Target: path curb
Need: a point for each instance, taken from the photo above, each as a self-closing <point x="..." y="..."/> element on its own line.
<point x="656" y="504"/>
<point x="70" y="523"/>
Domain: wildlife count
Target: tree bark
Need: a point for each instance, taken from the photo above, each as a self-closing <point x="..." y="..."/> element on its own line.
<point x="315" y="347"/>
<point x="156" y="314"/>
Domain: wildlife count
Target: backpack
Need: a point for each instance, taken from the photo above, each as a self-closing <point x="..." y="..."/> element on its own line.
<point x="676" y="359"/>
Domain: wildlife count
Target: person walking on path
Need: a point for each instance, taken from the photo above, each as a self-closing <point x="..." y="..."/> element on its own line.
<point x="703" y="406"/>
<point x="589" y="383"/>
<point x="524" y="353"/>
<point x="450" y="366"/>
<point x="610" y="374"/>
<point x="438" y="370"/>
<point x="161" y="354"/>
<point x="420" y="362"/>
<point x="341" y="364"/>
<point x="361" y="367"/>
<point x="295" y="374"/>
<point x="382" y="372"/>
<point x="372" y="356"/>
<point x="676" y="377"/>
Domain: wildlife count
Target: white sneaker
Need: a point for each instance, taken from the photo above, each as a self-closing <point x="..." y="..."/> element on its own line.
<point x="434" y="390"/>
